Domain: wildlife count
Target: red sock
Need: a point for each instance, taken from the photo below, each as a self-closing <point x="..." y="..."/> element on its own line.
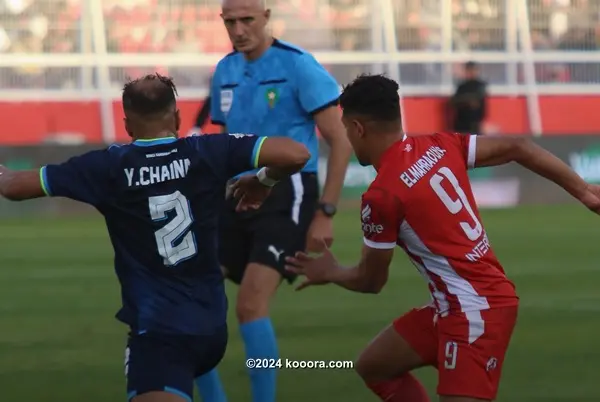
<point x="402" y="389"/>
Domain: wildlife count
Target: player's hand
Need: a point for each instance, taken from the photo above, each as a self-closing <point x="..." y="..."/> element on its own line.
<point x="591" y="198"/>
<point x="320" y="234"/>
<point x="317" y="270"/>
<point x="194" y="131"/>
<point x="250" y="192"/>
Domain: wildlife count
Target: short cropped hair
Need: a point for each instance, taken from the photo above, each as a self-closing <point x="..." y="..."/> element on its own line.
<point x="375" y="96"/>
<point x="148" y="95"/>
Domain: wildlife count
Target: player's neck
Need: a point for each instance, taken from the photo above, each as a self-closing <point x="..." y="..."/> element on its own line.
<point x="383" y="145"/>
<point x="156" y="135"/>
<point x="260" y="50"/>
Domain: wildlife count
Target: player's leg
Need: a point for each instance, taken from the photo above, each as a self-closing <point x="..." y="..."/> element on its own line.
<point x="159" y="368"/>
<point x="258" y="286"/>
<point x="471" y="352"/>
<point x="387" y="361"/>
<point x="209" y="351"/>
<point x="233" y="255"/>
<point x="278" y="231"/>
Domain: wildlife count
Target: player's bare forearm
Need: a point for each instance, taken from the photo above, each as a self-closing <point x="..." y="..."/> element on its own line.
<point x="20" y="185"/>
<point x="331" y="128"/>
<point x="369" y="276"/>
<point x="352" y="279"/>
<point x="497" y="151"/>
<point x="282" y="157"/>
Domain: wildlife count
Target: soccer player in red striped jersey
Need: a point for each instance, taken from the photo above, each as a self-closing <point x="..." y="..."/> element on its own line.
<point x="422" y="202"/>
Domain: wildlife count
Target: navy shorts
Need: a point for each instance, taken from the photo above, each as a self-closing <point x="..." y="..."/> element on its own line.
<point x="171" y="362"/>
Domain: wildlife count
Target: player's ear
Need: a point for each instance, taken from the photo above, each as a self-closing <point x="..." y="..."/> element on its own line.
<point x="127" y="128"/>
<point x="358" y="128"/>
<point x="177" y="120"/>
<point x="267" y="14"/>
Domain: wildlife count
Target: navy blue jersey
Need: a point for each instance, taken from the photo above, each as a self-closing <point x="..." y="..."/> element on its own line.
<point x="161" y="200"/>
<point x="274" y="95"/>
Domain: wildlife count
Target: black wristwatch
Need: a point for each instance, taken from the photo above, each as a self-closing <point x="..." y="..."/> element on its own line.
<point x="328" y="209"/>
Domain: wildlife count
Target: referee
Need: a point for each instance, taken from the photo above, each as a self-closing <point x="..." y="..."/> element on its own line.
<point x="273" y="88"/>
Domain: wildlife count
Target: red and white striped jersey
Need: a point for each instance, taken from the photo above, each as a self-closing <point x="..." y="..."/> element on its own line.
<point x="421" y="200"/>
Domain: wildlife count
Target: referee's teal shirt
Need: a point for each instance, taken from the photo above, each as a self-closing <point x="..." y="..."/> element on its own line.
<point x="274" y="95"/>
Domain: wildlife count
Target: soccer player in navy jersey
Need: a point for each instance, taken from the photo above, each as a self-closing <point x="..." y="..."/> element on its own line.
<point x="273" y="88"/>
<point x="160" y="197"/>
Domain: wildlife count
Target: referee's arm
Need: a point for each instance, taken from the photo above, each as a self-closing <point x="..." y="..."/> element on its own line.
<point x="217" y="116"/>
<point x="319" y="95"/>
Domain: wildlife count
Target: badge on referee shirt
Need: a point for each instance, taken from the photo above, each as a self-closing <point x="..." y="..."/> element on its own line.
<point x="226" y="100"/>
<point x="272" y="96"/>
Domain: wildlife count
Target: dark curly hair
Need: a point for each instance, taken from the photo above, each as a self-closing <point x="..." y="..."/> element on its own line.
<point x="372" y="96"/>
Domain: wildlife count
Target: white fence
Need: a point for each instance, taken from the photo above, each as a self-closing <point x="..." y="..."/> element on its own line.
<point x="525" y="46"/>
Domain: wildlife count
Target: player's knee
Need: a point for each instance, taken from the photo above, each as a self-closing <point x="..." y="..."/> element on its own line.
<point x="251" y="308"/>
<point x="258" y="286"/>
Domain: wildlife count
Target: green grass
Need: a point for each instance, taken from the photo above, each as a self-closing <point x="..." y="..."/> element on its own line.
<point x="60" y="342"/>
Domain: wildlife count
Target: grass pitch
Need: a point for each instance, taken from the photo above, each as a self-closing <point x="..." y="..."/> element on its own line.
<point x="60" y="342"/>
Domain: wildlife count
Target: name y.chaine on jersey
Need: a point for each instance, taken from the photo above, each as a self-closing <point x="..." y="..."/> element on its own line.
<point x="147" y="175"/>
<point x="422" y="166"/>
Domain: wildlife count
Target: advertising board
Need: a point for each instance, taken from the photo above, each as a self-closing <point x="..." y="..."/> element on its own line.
<point x="493" y="187"/>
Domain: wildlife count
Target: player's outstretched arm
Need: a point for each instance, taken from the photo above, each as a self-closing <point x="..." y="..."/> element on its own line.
<point x="20" y="185"/>
<point x="369" y="276"/>
<point x="278" y="158"/>
<point x="282" y="157"/>
<point x="493" y="151"/>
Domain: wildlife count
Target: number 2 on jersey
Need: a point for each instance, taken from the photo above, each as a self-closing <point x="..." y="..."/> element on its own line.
<point x="472" y="230"/>
<point x="176" y="231"/>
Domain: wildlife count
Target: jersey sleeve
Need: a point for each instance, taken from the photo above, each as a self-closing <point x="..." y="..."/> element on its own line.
<point x="381" y="216"/>
<point x="466" y="144"/>
<point x="232" y="154"/>
<point x="82" y="178"/>
<point x="317" y="89"/>
<point x="216" y="114"/>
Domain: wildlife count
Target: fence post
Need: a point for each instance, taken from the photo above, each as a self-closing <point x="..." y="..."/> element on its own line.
<point x="533" y="106"/>
<point x="102" y="66"/>
<point x="391" y="47"/>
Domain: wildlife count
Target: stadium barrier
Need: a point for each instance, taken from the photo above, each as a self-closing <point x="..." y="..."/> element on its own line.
<point x="33" y="122"/>
<point x="504" y="186"/>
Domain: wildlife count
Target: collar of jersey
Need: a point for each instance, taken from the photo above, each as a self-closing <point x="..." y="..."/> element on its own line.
<point x="387" y="153"/>
<point x="154" y="141"/>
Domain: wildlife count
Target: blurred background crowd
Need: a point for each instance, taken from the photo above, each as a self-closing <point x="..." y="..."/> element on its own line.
<point x="183" y="26"/>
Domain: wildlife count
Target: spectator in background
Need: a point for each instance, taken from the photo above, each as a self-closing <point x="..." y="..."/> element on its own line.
<point x="202" y="115"/>
<point x="469" y="102"/>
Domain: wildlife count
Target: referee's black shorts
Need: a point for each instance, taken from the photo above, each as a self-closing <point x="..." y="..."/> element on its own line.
<point x="276" y="230"/>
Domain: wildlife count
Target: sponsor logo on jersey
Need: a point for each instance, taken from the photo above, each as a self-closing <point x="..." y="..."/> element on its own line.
<point x="368" y="226"/>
